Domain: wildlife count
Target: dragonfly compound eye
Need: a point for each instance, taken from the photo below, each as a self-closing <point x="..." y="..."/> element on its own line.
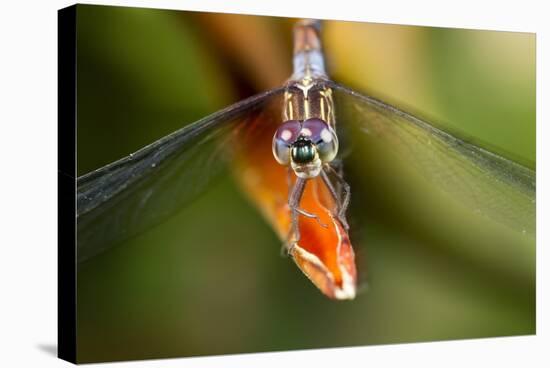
<point x="284" y="137"/>
<point x="323" y="137"/>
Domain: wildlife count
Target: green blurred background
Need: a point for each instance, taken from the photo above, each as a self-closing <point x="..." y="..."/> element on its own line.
<point x="210" y="279"/>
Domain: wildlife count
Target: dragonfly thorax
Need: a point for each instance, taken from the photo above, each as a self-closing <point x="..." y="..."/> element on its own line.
<point x="305" y="146"/>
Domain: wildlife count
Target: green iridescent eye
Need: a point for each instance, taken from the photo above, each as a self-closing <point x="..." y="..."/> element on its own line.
<point x="303" y="151"/>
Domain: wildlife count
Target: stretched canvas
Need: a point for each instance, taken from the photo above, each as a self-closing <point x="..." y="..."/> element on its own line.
<point x="237" y="184"/>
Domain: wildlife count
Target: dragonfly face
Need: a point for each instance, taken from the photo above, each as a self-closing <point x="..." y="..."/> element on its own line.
<point x="305" y="146"/>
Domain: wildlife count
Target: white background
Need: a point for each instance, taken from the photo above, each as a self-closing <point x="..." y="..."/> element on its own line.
<point x="28" y="183"/>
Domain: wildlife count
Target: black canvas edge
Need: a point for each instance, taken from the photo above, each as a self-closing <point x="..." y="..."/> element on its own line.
<point x="66" y="175"/>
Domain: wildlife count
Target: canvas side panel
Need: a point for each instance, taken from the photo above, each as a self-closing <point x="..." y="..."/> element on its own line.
<point x="66" y="173"/>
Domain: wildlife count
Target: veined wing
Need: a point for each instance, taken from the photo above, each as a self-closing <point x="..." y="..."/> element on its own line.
<point x="484" y="182"/>
<point x="131" y="195"/>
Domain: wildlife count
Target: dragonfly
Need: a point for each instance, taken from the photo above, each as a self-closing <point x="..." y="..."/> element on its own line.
<point x="287" y="147"/>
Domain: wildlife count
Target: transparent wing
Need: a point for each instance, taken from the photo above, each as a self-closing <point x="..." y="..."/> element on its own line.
<point x="131" y="195"/>
<point x="484" y="182"/>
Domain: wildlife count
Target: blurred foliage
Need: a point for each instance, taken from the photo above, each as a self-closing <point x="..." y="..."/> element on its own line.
<point x="480" y="83"/>
<point x="210" y="280"/>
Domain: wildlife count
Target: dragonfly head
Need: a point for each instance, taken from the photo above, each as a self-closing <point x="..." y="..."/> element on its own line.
<point x="305" y="146"/>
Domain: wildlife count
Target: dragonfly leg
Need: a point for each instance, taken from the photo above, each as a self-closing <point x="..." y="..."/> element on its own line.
<point x="300" y="210"/>
<point x="289" y="178"/>
<point x="311" y="215"/>
<point x="295" y="230"/>
<point x="342" y="196"/>
<point x="292" y="238"/>
<point x="293" y="201"/>
<point x="338" y="169"/>
<point x="287" y="246"/>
